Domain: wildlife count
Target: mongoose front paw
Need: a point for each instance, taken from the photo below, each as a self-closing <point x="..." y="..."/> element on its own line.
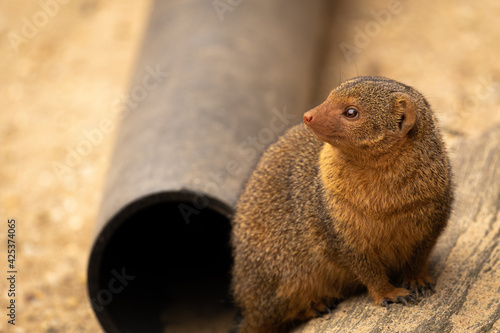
<point x="396" y="295"/>
<point x="327" y="307"/>
<point x="424" y="289"/>
<point x="399" y="299"/>
<point x="422" y="286"/>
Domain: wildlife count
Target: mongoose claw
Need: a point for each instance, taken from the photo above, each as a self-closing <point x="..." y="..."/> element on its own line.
<point x="321" y="313"/>
<point x="333" y="303"/>
<point x="405" y="299"/>
<point x="327" y="307"/>
<point x="430" y="286"/>
<point x="411" y="298"/>
<point x="423" y="290"/>
<point x="400" y="299"/>
<point x="415" y="291"/>
<point x="420" y="288"/>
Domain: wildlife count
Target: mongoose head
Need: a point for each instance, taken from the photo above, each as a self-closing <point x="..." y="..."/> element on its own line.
<point x="368" y="114"/>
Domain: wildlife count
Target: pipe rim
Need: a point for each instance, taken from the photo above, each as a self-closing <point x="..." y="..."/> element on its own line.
<point x="104" y="235"/>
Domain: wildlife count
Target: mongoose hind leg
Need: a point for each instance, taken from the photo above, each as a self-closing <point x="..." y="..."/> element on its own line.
<point x="317" y="293"/>
<point x="327" y="307"/>
<point x="319" y="309"/>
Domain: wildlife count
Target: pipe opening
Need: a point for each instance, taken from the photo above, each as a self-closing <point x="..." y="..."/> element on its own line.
<point x="166" y="273"/>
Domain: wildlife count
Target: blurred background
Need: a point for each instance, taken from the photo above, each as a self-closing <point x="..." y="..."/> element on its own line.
<point x="66" y="65"/>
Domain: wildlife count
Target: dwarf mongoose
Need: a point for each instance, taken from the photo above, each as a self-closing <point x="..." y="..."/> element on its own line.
<point x="356" y="199"/>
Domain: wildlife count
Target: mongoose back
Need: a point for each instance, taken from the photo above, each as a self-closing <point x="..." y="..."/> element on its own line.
<point x="354" y="199"/>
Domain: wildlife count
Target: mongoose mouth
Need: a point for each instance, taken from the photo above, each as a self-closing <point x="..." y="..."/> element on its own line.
<point x="331" y="137"/>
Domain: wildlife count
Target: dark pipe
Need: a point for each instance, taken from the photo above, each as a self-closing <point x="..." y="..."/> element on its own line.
<point x="216" y="82"/>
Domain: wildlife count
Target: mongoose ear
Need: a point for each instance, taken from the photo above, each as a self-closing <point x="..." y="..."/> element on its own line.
<point x="404" y="109"/>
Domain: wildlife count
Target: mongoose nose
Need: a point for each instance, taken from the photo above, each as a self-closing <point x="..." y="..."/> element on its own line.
<point x="307" y="118"/>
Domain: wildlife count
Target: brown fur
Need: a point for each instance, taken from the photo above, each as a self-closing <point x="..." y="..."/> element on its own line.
<point x="361" y="207"/>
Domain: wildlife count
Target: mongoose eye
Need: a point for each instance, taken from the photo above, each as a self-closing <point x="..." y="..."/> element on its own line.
<point x="351" y="113"/>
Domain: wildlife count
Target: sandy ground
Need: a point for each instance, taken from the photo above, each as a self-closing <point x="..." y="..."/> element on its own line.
<point x="59" y="80"/>
<point x="65" y="77"/>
